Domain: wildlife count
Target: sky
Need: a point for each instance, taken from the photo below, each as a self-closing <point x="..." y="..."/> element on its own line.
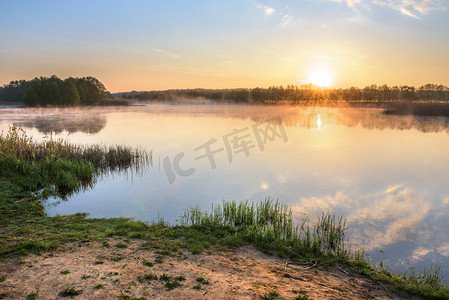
<point x="157" y="45"/>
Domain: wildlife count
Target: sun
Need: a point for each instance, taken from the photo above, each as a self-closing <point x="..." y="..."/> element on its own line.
<point x="321" y="77"/>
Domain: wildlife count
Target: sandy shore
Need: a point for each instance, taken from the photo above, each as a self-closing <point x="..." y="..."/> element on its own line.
<point x="241" y="274"/>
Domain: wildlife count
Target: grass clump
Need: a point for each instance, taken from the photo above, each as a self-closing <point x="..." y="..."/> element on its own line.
<point x="197" y="287"/>
<point x="70" y="292"/>
<point x="302" y="297"/>
<point x="148" y="263"/>
<point x="65" y="272"/>
<point x="117" y="258"/>
<point x="165" y="277"/>
<point x="98" y="286"/>
<point x="32" y="296"/>
<point x="121" y="245"/>
<point x="2" y="278"/>
<point x="98" y="262"/>
<point x="273" y="295"/>
<point x="202" y="280"/>
<point x="170" y="285"/>
<point x="126" y="297"/>
<point x="147" y="277"/>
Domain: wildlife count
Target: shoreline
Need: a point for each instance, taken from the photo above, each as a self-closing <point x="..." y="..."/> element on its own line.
<point x="241" y="273"/>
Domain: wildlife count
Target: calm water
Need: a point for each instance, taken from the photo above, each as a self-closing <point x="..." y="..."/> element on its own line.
<point x="387" y="175"/>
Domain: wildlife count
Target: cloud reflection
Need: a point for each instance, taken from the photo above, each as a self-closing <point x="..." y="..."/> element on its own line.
<point x="393" y="215"/>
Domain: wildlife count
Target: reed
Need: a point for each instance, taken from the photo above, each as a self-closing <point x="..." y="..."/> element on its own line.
<point x="269" y="225"/>
<point x="60" y="165"/>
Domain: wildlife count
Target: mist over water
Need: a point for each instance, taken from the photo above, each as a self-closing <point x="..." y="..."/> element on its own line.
<point x="386" y="174"/>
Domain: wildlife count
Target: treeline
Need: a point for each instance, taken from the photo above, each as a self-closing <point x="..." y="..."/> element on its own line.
<point x="307" y="92"/>
<point x="45" y="91"/>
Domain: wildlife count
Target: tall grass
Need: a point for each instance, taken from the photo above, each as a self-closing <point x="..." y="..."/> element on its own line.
<point x="64" y="166"/>
<point x="269" y="224"/>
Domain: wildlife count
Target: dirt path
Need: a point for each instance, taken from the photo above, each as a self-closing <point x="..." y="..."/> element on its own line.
<point x="242" y="274"/>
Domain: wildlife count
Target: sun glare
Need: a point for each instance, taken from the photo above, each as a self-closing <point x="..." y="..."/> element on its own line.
<point x="321" y="77"/>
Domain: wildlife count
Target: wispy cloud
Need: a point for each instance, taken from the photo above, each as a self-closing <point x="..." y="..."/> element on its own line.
<point x="350" y="3"/>
<point x="166" y="53"/>
<point x="268" y="10"/>
<point x="285" y="19"/>
<point x="408" y="12"/>
<point x="411" y="8"/>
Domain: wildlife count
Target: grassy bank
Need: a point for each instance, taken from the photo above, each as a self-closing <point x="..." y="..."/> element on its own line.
<point x="30" y="171"/>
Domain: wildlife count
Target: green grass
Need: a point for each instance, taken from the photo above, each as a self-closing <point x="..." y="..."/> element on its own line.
<point x="148" y="263"/>
<point x="126" y="297"/>
<point x="202" y="280"/>
<point x="180" y="278"/>
<point x="121" y="245"/>
<point x="30" y="171"/>
<point x="273" y="295"/>
<point x="70" y="292"/>
<point x="302" y="297"/>
<point x="98" y="286"/>
<point x="170" y="285"/>
<point x="32" y="296"/>
<point x="147" y="277"/>
<point x="165" y="277"/>
<point x="117" y="258"/>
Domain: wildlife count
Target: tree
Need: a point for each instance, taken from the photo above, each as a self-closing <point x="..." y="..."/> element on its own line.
<point x="70" y="95"/>
<point x="31" y="97"/>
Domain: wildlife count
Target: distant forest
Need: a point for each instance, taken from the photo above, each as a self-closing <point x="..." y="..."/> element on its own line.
<point x="54" y="91"/>
<point x="307" y="92"/>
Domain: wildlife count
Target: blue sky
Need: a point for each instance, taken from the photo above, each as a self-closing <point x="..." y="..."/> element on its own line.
<point x="145" y="45"/>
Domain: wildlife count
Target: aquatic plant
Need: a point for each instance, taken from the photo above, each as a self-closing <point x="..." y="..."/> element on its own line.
<point x="61" y="166"/>
<point x="269" y="224"/>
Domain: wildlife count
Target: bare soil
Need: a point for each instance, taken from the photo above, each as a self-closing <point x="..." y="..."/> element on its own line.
<point x="244" y="273"/>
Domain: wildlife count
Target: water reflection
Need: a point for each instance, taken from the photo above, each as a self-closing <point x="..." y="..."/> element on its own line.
<point x="397" y="224"/>
<point x="92" y="120"/>
<point x="69" y="123"/>
<point x="376" y="220"/>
